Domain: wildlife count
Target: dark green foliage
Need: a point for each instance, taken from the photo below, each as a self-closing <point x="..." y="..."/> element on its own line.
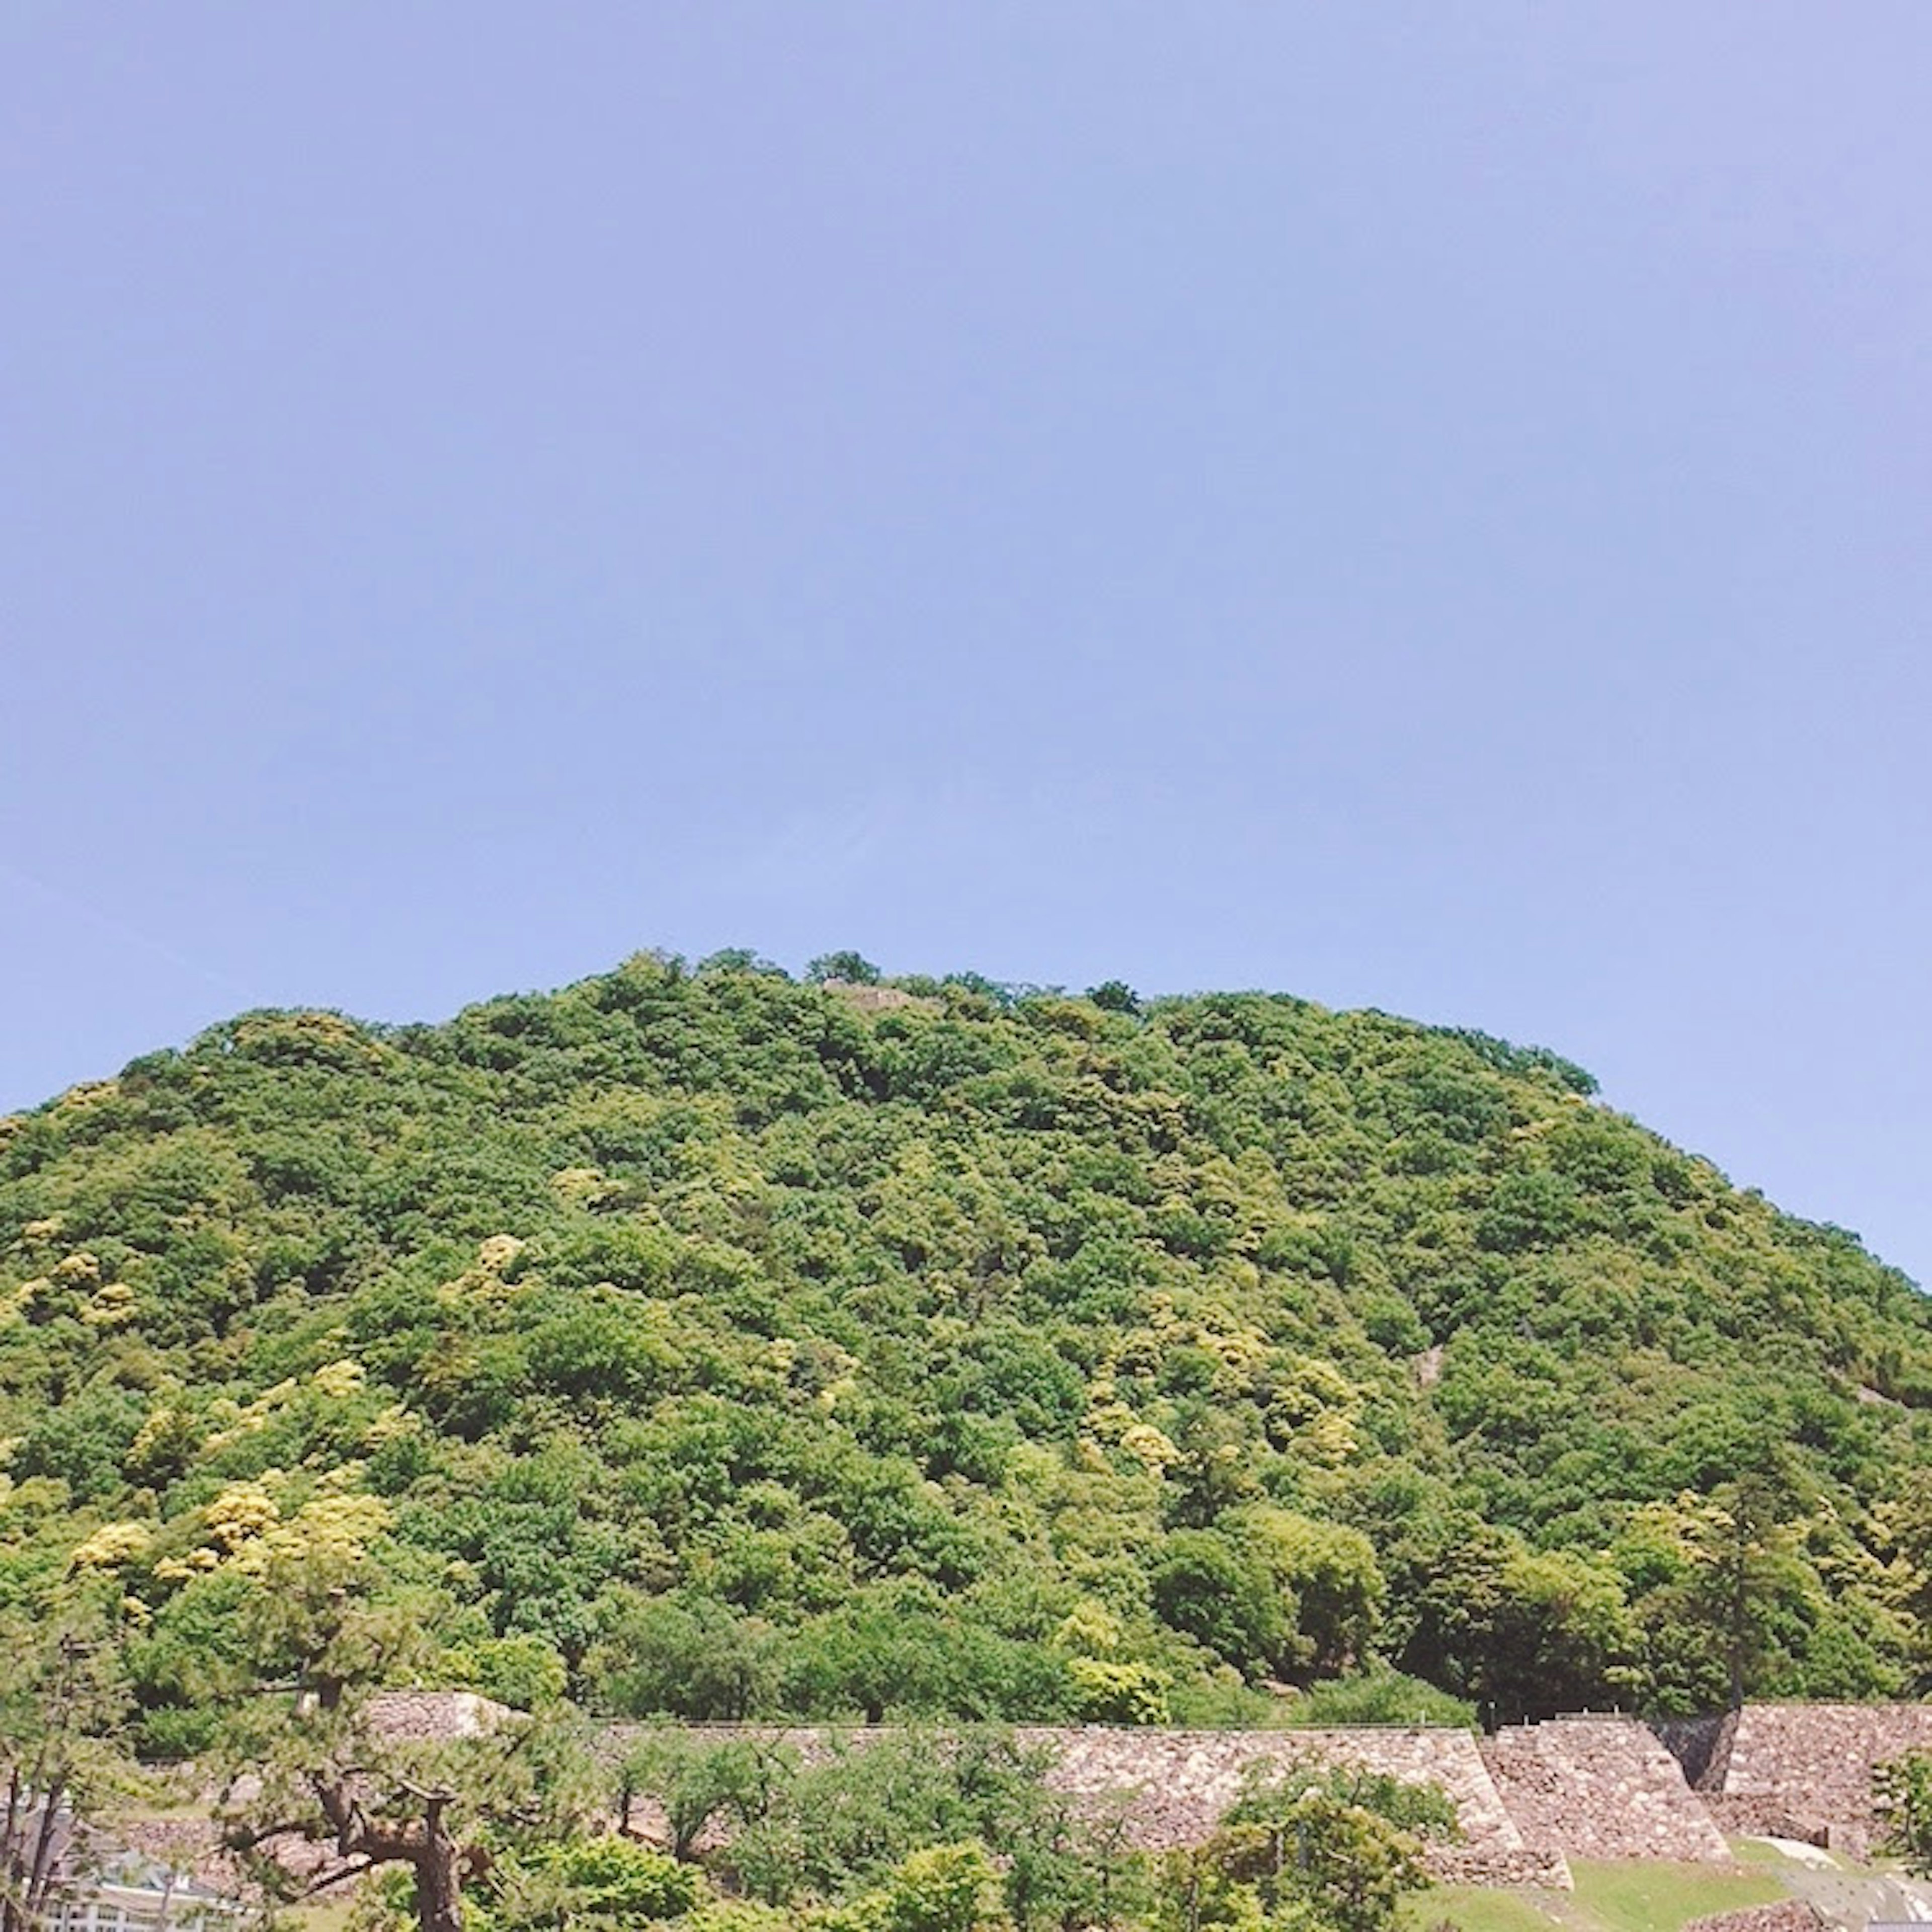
<point x="1903" y="1794"/>
<point x="719" y="1345"/>
<point x="873" y="1815"/>
<point x="692" y="1658"/>
<point x="1207" y="1585"/>
<point x="854" y="968"/>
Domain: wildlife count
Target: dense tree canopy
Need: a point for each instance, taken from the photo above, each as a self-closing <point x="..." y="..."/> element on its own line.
<point x="697" y="1342"/>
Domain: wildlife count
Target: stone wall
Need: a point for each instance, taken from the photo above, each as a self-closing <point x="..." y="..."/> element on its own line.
<point x="1601" y="1788"/>
<point x="1527" y="1799"/>
<point x="1823" y="1753"/>
<point x="1181" y="1782"/>
<point x="1799" y="1770"/>
<point x="1173" y="1787"/>
<point x="432" y="1717"/>
<point x="1789" y="1914"/>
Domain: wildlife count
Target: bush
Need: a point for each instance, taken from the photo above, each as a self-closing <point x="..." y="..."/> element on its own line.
<point x="1118" y="1693"/>
<point x="523" y="1671"/>
<point x="940" y="1889"/>
<point x="1381" y="1697"/>
<point x="616" y="1878"/>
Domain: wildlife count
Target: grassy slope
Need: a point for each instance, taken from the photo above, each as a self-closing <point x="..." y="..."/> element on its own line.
<point x="1623" y="1896"/>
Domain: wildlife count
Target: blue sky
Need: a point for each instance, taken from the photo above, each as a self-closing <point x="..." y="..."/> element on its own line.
<point x="1416" y="506"/>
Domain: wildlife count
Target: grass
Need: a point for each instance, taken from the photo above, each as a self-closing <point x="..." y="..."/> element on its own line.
<point x="1478" y="1908"/>
<point x="323" y="1915"/>
<point x="1630" y="1896"/>
<point x="1619" y="1896"/>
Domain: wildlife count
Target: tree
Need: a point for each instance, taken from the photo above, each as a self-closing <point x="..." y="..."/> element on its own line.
<point x="64" y="1708"/>
<point x="1525" y="1633"/>
<point x="1721" y="1589"/>
<point x="694" y="1781"/>
<point x="880" y="1654"/>
<point x="1756" y="1566"/>
<point x="1108" y="1690"/>
<point x="329" y="1777"/>
<point x="1329" y="1572"/>
<point x="1312" y="1842"/>
<point x="1906" y="1519"/>
<point x="940" y="1889"/>
<point x="1221" y="1595"/>
<point x="596" y="1882"/>
<point x="688" y="1657"/>
<point x="859" y="1824"/>
<point x="1903" y="1791"/>
<point x="852" y="968"/>
<point x="741" y="959"/>
<point x="309" y="1762"/>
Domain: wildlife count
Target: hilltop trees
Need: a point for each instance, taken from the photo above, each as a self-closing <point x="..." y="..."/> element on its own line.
<point x="706" y="1343"/>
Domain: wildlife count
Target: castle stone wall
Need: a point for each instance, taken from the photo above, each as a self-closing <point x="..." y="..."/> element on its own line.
<point x="1181" y="1783"/>
<point x="1815" y="1762"/>
<point x="1173" y="1787"/>
<point x="1789" y="1915"/>
<point x="1601" y="1788"/>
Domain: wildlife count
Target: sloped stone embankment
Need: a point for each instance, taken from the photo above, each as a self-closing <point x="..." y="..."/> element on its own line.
<point x="1601" y="1788"/>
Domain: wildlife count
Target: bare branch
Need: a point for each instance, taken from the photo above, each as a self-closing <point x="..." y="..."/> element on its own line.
<point x="340" y="1876"/>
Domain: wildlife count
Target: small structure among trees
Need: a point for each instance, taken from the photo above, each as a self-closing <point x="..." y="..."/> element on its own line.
<point x="117" y="1889"/>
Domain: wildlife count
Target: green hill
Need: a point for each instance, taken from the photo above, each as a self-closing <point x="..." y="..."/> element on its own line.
<point x="726" y="1345"/>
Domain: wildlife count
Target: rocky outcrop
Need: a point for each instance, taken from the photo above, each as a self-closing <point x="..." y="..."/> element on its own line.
<point x="1601" y="1788"/>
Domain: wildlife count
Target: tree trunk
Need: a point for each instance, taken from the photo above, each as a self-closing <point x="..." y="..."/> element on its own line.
<point x="1739" y="1606"/>
<point x="438" y="1869"/>
<point x="41" y="1874"/>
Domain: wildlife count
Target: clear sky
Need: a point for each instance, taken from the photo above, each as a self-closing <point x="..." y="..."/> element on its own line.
<point x="1416" y="505"/>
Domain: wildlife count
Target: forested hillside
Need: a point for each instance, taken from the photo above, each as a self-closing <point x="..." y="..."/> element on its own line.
<point x="703" y="1342"/>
